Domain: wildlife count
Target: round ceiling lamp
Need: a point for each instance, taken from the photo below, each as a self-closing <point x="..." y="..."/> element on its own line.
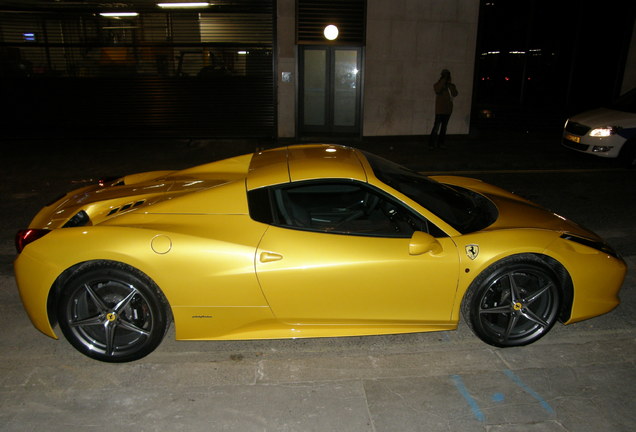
<point x="331" y="32"/>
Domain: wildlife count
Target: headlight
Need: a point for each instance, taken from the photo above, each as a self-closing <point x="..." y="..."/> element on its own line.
<point x="603" y="131"/>
<point x="599" y="246"/>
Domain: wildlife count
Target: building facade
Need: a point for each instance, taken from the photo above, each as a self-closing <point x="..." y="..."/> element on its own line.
<point x="252" y="68"/>
<point x="393" y="66"/>
<point x="266" y="69"/>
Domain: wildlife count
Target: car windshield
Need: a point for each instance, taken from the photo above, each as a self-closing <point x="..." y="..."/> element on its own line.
<point x="626" y="102"/>
<point x="464" y="210"/>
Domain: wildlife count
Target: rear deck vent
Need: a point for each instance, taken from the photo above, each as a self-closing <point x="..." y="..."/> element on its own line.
<point x="80" y="219"/>
<point x="125" y="207"/>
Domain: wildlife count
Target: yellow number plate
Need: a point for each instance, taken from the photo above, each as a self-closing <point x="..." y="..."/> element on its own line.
<point x="571" y="137"/>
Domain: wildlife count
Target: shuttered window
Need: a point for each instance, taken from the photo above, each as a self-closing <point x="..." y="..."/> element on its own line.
<point x="70" y="71"/>
<point x="314" y="15"/>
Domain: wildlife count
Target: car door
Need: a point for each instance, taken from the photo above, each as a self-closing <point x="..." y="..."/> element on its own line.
<point x="341" y="252"/>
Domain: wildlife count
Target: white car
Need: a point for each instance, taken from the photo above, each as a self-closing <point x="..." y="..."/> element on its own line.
<point x="606" y="132"/>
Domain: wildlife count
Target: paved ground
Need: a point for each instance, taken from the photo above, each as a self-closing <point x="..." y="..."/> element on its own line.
<point x="578" y="378"/>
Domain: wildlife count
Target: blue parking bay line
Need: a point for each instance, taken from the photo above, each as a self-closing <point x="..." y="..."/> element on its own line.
<point x="479" y="415"/>
<point x="546" y="406"/>
<point x="498" y="397"/>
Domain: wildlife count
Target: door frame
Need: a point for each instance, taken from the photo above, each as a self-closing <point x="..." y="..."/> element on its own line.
<point x="329" y="129"/>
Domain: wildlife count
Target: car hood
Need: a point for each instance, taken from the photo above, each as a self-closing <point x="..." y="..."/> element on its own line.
<point x="605" y="117"/>
<point x="515" y="212"/>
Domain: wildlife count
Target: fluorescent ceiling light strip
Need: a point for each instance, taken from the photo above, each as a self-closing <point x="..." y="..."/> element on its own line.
<point x="119" y="14"/>
<point x="183" y="5"/>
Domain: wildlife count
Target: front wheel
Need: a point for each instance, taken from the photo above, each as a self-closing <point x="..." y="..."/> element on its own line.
<point x="112" y="312"/>
<point x="514" y="302"/>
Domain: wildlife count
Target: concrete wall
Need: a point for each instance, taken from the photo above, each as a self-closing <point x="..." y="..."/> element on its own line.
<point x="408" y="43"/>
<point x="286" y="62"/>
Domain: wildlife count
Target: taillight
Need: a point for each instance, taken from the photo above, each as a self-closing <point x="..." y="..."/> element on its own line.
<point x="26" y="236"/>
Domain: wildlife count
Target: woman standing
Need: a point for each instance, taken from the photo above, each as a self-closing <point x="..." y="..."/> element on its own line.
<point x="445" y="91"/>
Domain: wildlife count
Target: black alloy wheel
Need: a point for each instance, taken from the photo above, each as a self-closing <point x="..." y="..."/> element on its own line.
<point x="514" y="302"/>
<point x="112" y="312"/>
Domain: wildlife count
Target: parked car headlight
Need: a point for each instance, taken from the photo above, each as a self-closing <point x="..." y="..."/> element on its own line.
<point x="603" y="131"/>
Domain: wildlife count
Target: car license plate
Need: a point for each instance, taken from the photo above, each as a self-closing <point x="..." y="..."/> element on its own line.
<point x="570" y="137"/>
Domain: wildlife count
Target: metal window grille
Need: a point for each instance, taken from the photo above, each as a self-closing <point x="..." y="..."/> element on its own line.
<point x="70" y="71"/>
<point x="312" y="16"/>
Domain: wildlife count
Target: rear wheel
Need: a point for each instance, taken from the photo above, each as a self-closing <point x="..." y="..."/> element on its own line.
<point x="112" y="312"/>
<point x="514" y="302"/>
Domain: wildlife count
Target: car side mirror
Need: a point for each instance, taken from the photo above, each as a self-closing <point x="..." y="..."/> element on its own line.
<point x="422" y="243"/>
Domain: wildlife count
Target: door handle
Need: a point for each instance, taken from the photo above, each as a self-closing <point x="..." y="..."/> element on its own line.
<point x="266" y="257"/>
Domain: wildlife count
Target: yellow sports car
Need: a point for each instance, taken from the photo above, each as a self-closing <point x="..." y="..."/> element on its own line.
<point x="304" y="241"/>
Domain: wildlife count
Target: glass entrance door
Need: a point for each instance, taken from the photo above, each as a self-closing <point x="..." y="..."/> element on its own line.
<point x="330" y="91"/>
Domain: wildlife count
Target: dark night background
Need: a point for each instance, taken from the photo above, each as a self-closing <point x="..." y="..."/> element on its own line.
<point x="575" y="54"/>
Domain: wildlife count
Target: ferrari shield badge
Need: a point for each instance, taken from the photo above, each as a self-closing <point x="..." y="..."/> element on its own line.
<point x="472" y="250"/>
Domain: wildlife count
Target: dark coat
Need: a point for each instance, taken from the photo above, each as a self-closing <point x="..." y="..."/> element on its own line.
<point x="444" y="93"/>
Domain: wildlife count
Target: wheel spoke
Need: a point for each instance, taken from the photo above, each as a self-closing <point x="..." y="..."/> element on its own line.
<point x="132" y="327"/>
<point x="95" y="298"/>
<point x="496" y="310"/>
<point x="512" y="322"/>
<point x="514" y="290"/>
<point x="110" y="328"/>
<point x="124" y="302"/>
<point x="536" y="295"/>
<point x="533" y="317"/>
<point x="91" y="321"/>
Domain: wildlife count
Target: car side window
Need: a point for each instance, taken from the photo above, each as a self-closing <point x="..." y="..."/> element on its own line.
<point x="339" y="207"/>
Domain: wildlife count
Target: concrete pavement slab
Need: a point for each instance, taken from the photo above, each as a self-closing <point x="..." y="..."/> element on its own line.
<point x="572" y="399"/>
<point x="343" y="367"/>
<point x="319" y="407"/>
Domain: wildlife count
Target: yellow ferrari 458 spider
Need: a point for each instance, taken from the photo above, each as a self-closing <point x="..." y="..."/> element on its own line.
<point x="304" y="241"/>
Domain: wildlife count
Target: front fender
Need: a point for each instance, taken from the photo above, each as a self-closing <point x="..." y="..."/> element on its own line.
<point x="493" y="246"/>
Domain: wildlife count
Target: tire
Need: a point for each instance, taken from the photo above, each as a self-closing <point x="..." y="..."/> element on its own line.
<point x="514" y="302"/>
<point x="112" y="312"/>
